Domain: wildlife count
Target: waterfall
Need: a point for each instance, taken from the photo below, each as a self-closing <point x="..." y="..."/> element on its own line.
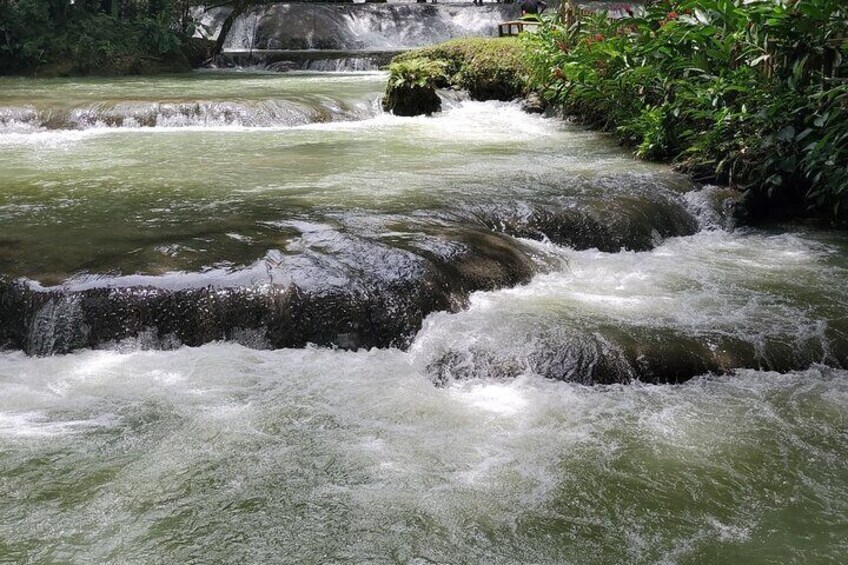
<point x="353" y="26"/>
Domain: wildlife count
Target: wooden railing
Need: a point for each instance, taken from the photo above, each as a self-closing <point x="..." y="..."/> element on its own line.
<point x="515" y="27"/>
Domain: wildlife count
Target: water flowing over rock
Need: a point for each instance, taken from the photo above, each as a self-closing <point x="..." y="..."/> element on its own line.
<point x="341" y="284"/>
<point x="250" y="317"/>
<point x="268" y="113"/>
<point x="342" y="291"/>
<point x="330" y="286"/>
<point x="480" y="243"/>
<point x="354" y="26"/>
<point x="307" y="60"/>
<point x="617" y="355"/>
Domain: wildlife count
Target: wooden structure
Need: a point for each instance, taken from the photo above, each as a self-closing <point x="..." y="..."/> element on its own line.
<point x="506" y="29"/>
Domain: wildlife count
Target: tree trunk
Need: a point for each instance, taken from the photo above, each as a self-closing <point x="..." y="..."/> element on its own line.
<point x="239" y="8"/>
<point x="567" y="12"/>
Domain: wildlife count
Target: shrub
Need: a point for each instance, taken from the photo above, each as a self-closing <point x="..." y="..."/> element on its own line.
<point x="85" y="37"/>
<point x="411" y="90"/>
<point x="751" y="93"/>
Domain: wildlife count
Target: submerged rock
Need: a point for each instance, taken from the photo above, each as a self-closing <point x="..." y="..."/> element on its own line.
<point x="614" y="356"/>
<point x="354" y="281"/>
<point x="619" y="212"/>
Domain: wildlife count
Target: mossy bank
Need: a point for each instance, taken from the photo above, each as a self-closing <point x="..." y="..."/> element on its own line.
<point x="488" y="69"/>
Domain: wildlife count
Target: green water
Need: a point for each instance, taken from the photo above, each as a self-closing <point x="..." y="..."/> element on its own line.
<point x="224" y="454"/>
<point x="55" y="96"/>
<point x="227" y="455"/>
<point x="198" y="194"/>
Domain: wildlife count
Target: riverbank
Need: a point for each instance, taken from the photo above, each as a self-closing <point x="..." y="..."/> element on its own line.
<point x="190" y="54"/>
<point x="708" y="91"/>
<point x="753" y="96"/>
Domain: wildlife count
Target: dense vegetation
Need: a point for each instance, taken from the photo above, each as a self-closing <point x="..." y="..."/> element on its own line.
<point x="93" y="36"/>
<point x="749" y="93"/>
<point x="489" y="69"/>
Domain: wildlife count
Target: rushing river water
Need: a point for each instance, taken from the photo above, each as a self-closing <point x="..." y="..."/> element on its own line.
<point x="463" y="277"/>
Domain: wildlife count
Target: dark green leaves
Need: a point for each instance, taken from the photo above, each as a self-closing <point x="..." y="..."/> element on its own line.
<point x="755" y="92"/>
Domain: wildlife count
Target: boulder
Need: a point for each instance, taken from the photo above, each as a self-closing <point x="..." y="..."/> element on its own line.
<point x="412" y="100"/>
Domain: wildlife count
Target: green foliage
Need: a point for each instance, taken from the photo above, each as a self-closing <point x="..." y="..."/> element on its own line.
<point x="110" y="36"/>
<point x="487" y="68"/>
<point x="420" y="72"/>
<point x="752" y="93"/>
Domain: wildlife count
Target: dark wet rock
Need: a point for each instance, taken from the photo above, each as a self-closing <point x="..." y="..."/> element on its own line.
<point x="16" y="307"/>
<point x="534" y="104"/>
<point x="611" y="220"/>
<point x="338" y="290"/>
<point x="718" y="207"/>
<point x="197" y="50"/>
<point x="412" y="100"/>
<point x="730" y="205"/>
<point x="614" y="356"/>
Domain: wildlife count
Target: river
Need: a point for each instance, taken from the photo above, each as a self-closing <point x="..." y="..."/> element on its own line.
<point x="249" y="318"/>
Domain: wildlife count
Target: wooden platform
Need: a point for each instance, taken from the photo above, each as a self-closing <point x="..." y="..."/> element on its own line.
<point x="515" y="27"/>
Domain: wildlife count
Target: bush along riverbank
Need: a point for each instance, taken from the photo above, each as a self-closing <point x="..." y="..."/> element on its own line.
<point x="752" y="95"/>
<point x="39" y="37"/>
<point x="488" y="69"/>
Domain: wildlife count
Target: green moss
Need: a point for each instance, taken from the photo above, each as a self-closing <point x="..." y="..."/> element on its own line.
<point x="489" y="69"/>
<point x="416" y="71"/>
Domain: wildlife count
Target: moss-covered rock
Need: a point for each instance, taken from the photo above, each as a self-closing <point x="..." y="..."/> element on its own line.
<point x="412" y="101"/>
<point x="488" y="68"/>
<point x="412" y="87"/>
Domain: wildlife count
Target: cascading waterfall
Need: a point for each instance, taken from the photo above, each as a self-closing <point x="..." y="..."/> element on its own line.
<point x="266" y="113"/>
<point x="265" y="263"/>
<point x="277" y="325"/>
<point x="314" y="101"/>
<point x="366" y="34"/>
<point x="244" y="31"/>
<point x="362" y="27"/>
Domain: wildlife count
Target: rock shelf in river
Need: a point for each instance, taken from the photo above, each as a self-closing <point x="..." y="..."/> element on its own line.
<point x="483" y="241"/>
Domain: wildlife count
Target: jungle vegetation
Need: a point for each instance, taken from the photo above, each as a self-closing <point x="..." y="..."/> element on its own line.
<point x="747" y="93"/>
<point x="93" y="36"/>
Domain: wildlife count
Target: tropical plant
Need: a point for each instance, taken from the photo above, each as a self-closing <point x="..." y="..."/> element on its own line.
<point x="89" y="35"/>
<point x="751" y="93"/>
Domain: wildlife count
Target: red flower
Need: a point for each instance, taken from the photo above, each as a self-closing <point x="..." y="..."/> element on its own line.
<point x="672" y="16"/>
